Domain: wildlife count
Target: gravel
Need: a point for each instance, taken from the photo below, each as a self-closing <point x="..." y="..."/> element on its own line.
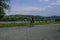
<point x="38" y="32"/>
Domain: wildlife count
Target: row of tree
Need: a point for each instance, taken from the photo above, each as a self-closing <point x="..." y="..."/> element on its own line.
<point x="26" y="18"/>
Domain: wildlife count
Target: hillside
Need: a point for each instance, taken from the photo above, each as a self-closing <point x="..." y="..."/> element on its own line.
<point x="28" y="18"/>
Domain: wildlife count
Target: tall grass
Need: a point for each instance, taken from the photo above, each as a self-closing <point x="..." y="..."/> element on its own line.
<point x="2" y="25"/>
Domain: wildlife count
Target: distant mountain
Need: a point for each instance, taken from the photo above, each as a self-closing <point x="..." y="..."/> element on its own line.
<point x="55" y="17"/>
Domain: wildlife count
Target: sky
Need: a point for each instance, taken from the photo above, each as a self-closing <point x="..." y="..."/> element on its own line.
<point x="34" y="7"/>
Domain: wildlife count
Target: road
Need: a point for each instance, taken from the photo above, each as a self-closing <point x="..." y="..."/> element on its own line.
<point x="40" y="32"/>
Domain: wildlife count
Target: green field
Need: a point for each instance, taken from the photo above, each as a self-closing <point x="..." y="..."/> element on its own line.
<point x="2" y="25"/>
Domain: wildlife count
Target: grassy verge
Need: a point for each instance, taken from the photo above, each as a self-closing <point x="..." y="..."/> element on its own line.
<point x="2" y="25"/>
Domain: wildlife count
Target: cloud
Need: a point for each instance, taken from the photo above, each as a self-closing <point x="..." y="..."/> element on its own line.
<point x="44" y="0"/>
<point x="51" y="5"/>
<point x="56" y="3"/>
<point x="18" y="8"/>
<point x="45" y="10"/>
<point x="25" y="10"/>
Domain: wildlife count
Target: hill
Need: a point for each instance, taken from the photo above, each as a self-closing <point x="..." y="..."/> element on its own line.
<point x="28" y="18"/>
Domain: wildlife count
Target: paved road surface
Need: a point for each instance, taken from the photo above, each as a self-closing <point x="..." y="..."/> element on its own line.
<point x="42" y="32"/>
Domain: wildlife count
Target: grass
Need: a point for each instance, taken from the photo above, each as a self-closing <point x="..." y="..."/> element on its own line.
<point x="13" y="24"/>
<point x="2" y="25"/>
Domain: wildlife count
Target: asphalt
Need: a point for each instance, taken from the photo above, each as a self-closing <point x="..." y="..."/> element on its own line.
<point x="37" y="32"/>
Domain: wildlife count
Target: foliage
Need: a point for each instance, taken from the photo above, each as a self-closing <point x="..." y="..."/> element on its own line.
<point x="27" y="18"/>
<point x="3" y="6"/>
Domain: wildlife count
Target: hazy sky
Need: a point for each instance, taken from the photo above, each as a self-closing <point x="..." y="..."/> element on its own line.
<point x="35" y="7"/>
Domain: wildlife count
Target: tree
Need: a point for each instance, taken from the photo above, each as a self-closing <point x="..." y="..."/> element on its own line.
<point x="3" y="7"/>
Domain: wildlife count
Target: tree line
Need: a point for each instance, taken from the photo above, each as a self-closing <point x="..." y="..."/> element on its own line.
<point x="27" y="18"/>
